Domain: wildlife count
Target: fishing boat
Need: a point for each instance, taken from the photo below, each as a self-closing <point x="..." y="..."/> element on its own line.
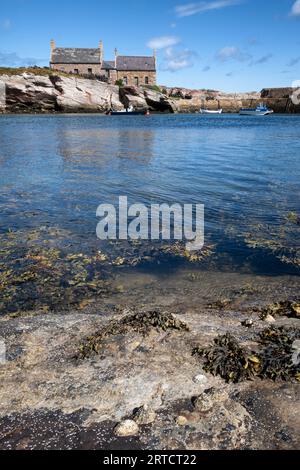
<point x="128" y="112"/>
<point x="207" y="111"/>
<point x="260" y="110"/>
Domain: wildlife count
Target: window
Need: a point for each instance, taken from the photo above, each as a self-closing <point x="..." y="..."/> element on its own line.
<point x="125" y="80"/>
<point x="136" y="81"/>
<point x="76" y="71"/>
<point x="146" y="80"/>
<point x="90" y="71"/>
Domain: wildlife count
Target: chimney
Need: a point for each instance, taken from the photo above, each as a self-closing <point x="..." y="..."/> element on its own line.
<point x="154" y="55"/>
<point x="52" y="47"/>
<point x="116" y="57"/>
<point x="101" y="51"/>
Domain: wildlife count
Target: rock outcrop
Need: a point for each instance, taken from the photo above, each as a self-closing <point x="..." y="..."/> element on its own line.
<point x="190" y="101"/>
<point x="29" y="93"/>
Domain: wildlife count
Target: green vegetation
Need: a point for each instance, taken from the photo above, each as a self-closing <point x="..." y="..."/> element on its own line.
<point x="41" y="71"/>
<point x="119" y="83"/>
<point x="154" y="88"/>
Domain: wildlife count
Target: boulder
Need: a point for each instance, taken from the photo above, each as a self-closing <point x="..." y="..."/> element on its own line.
<point x="86" y="95"/>
<point x="158" y="101"/>
<point x="133" y="96"/>
<point x="29" y="93"/>
<point x="33" y="93"/>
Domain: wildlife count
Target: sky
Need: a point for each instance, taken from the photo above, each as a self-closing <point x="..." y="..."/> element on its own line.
<point x="229" y="45"/>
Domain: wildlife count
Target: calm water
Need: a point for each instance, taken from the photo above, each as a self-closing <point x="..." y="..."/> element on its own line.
<point x="56" y="170"/>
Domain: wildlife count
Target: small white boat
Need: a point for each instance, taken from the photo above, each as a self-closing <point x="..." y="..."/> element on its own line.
<point x="260" y="110"/>
<point x="207" y="111"/>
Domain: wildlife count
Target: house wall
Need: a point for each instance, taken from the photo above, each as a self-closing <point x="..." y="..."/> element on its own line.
<point x="131" y="77"/>
<point x="114" y="75"/>
<point x="83" y="69"/>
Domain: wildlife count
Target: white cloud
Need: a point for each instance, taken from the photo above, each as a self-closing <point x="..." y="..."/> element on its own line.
<point x="177" y="59"/>
<point x="232" y="53"/>
<point x="11" y="59"/>
<point x="296" y="8"/>
<point x="200" y="7"/>
<point x="163" y="42"/>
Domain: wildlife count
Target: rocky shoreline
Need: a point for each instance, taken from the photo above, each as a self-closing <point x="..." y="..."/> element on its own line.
<point x="30" y="93"/>
<point x="140" y="386"/>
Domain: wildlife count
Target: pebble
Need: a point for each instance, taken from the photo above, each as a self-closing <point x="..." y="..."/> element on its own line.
<point x="248" y="323"/>
<point x="200" y="379"/>
<point x="208" y="399"/>
<point x="127" y="428"/>
<point x="181" y="421"/>
<point x="270" y="319"/>
<point x="144" y="416"/>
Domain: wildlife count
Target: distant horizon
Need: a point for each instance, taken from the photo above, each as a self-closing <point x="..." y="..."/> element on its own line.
<point x="222" y="45"/>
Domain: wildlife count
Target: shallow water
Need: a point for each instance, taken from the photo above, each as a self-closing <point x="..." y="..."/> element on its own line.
<point x="56" y="170"/>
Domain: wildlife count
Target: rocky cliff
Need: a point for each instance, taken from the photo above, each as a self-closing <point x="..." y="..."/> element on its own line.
<point x="279" y="99"/>
<point x="30" y="93"/>
<point x="45" y="94"/>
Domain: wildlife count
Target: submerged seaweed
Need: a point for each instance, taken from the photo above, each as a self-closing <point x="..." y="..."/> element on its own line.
<point x="139" y="323"/>
<point x="281" y="240"/>
<point x="37" y="276"/>
<point x="38" y="271"/>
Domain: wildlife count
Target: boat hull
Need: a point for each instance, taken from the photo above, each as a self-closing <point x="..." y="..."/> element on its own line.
<point x="129" y="113"/>
<point x="255" y="113"/>
<point x="206" y="111"/>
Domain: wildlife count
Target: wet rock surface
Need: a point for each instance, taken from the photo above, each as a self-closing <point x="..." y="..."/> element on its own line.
<point x="52" y="399"/>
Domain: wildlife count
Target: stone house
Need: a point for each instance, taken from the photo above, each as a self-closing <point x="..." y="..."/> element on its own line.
<point x="132" y="70"/>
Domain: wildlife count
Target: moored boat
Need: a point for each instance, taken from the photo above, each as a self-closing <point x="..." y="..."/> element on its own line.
<point x="128" y="112"/>
<point x="207" y="111"/>
<point x="260" y="110"/>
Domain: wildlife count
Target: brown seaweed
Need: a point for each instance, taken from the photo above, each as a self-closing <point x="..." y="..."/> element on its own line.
<point x="285" y="309"/>
<point x="140" y="323"/>
<point x="277" y="356"/>
<point x="274" y="360"/>
<point x="226" y="358"/>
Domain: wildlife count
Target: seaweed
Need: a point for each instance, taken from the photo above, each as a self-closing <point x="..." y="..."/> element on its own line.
<point x="140" y="323"/>
<point x="282" y="240"/>
<point x="285" y="309"/>
<point x="37" y="276"/>
<point x="226" y="358"/>
<point x="134" y="253"/>
<point x="277" y="358"/>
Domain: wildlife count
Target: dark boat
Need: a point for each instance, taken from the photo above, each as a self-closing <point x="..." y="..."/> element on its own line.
<point x="128" y="112"/>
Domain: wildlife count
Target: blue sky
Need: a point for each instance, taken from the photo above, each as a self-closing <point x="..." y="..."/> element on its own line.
<point x="230" y="45"/>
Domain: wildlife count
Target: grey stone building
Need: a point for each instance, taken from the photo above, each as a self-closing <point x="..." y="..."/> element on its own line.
<point x="132" y="70"/>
